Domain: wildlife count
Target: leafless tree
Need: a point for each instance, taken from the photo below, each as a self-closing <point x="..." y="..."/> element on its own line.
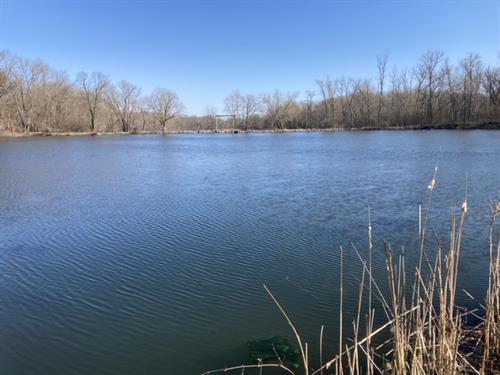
<point x="37" y="98"/>
<point x="452" y="89"/>
<point x="165" y="106"/>
<point x="6" y="85"/>
<point x="309" y="108"/>
<point x="144" y="111"/>
<point x="279" y="107"/>
<point x="471" y="67"/>
<point x="6" y="67"/>
<point x="327" y="89"/>
<point x="60" y="102"/>
<point x="93" y="88"/>
<point x="381" y="66"/>
<point x="430" y="73"/>
<point x="124" y="100"/>
<point x="233" y="105"/>
<point x="208" y="119"/>
<point x="491" y="84"/>
<point x="363" y="95"/>
<point x="347" y="89"/>
<point x="403" y="97"/>
<point x="210" y="111"/>
<point x="29" y="77"/>
<point x="250" y="107"/>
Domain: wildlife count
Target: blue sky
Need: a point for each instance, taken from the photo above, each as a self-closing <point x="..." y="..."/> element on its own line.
<point x="204" y="49"/>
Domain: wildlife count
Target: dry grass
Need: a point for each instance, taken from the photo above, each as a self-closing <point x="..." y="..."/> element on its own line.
<point x="424" y="325"/>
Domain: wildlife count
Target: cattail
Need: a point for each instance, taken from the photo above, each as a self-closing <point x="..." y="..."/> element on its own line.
<point x="432" y="184"/>
<point x="433" y="181"/>
<point x="464" y="207"/>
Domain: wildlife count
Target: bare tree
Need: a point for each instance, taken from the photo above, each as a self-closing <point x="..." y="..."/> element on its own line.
<point x="210" y="111"/>
<point x="6" y="85"/>
<point x="6" y="67"/>
<point x="124" y="100"/>
<point x="363" y="95"/>
<point x="233" y="105"/>
<point x="327" y="89"/>
<point x="165" y="106"/>
<point x="491" y="84"/>
<point x="429" y="71"/>
<point x="60" y="103"/>
<point x="347" y="89"/>
<point x="34" y="97"/>
<point x="208" y="120"/>
<point x="381" y="66"/>
<point x="451" y="84"/>
<point x="93" y="88"/>
<point x="278" y="107"/>
<point x="28" y="78"/>
<point x="309" y="108"/>
<point x="471" y="67"/>
<point x="143" y="108"/>
<point x="250" y="106"/>
<point x="401" y="96"/>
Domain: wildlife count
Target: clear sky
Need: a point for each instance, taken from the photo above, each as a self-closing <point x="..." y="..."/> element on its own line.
<point x="204" y="49"/>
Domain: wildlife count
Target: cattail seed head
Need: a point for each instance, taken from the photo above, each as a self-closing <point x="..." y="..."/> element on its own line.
<point x="464" y="207"/>
<point x="432" y="184"/>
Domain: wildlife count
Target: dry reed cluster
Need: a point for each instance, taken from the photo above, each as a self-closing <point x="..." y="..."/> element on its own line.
<point x="425" y="328"/>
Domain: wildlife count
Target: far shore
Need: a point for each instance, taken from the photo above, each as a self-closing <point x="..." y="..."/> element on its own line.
<point x="469" y="126"/>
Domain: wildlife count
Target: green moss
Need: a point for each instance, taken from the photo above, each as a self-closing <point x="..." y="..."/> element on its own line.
<point x="267" y="349"/>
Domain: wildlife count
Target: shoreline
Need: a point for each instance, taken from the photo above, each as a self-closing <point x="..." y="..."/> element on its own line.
<point x="491" y="125"/>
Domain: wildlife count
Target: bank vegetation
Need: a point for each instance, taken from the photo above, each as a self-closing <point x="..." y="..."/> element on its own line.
<point x="424" y="330"/>
<point x="435" y="93"/>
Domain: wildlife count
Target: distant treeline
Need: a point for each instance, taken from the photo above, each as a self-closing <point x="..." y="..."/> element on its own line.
<point x="35" y="98"/>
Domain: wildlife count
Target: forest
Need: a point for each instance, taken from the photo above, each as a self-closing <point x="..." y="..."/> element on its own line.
<point x="435" y="93"/>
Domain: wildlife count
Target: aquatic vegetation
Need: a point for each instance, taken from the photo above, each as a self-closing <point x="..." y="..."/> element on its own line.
<point x="426" y="330"/>
<point x="274" y="349"/>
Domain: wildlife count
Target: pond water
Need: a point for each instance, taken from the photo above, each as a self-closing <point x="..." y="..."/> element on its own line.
<point x="148" y="254"/>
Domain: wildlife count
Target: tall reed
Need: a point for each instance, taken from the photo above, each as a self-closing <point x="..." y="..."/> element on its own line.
<point x="425" y="327"/>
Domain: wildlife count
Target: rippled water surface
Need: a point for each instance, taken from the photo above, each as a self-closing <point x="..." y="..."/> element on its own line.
<point x="147" y="254"/>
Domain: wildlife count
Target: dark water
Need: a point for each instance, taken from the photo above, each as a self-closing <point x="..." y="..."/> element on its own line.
<point x="147" y="254"/>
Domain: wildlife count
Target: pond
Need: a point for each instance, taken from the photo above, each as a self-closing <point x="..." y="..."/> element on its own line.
<point x="148" y="254"/>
